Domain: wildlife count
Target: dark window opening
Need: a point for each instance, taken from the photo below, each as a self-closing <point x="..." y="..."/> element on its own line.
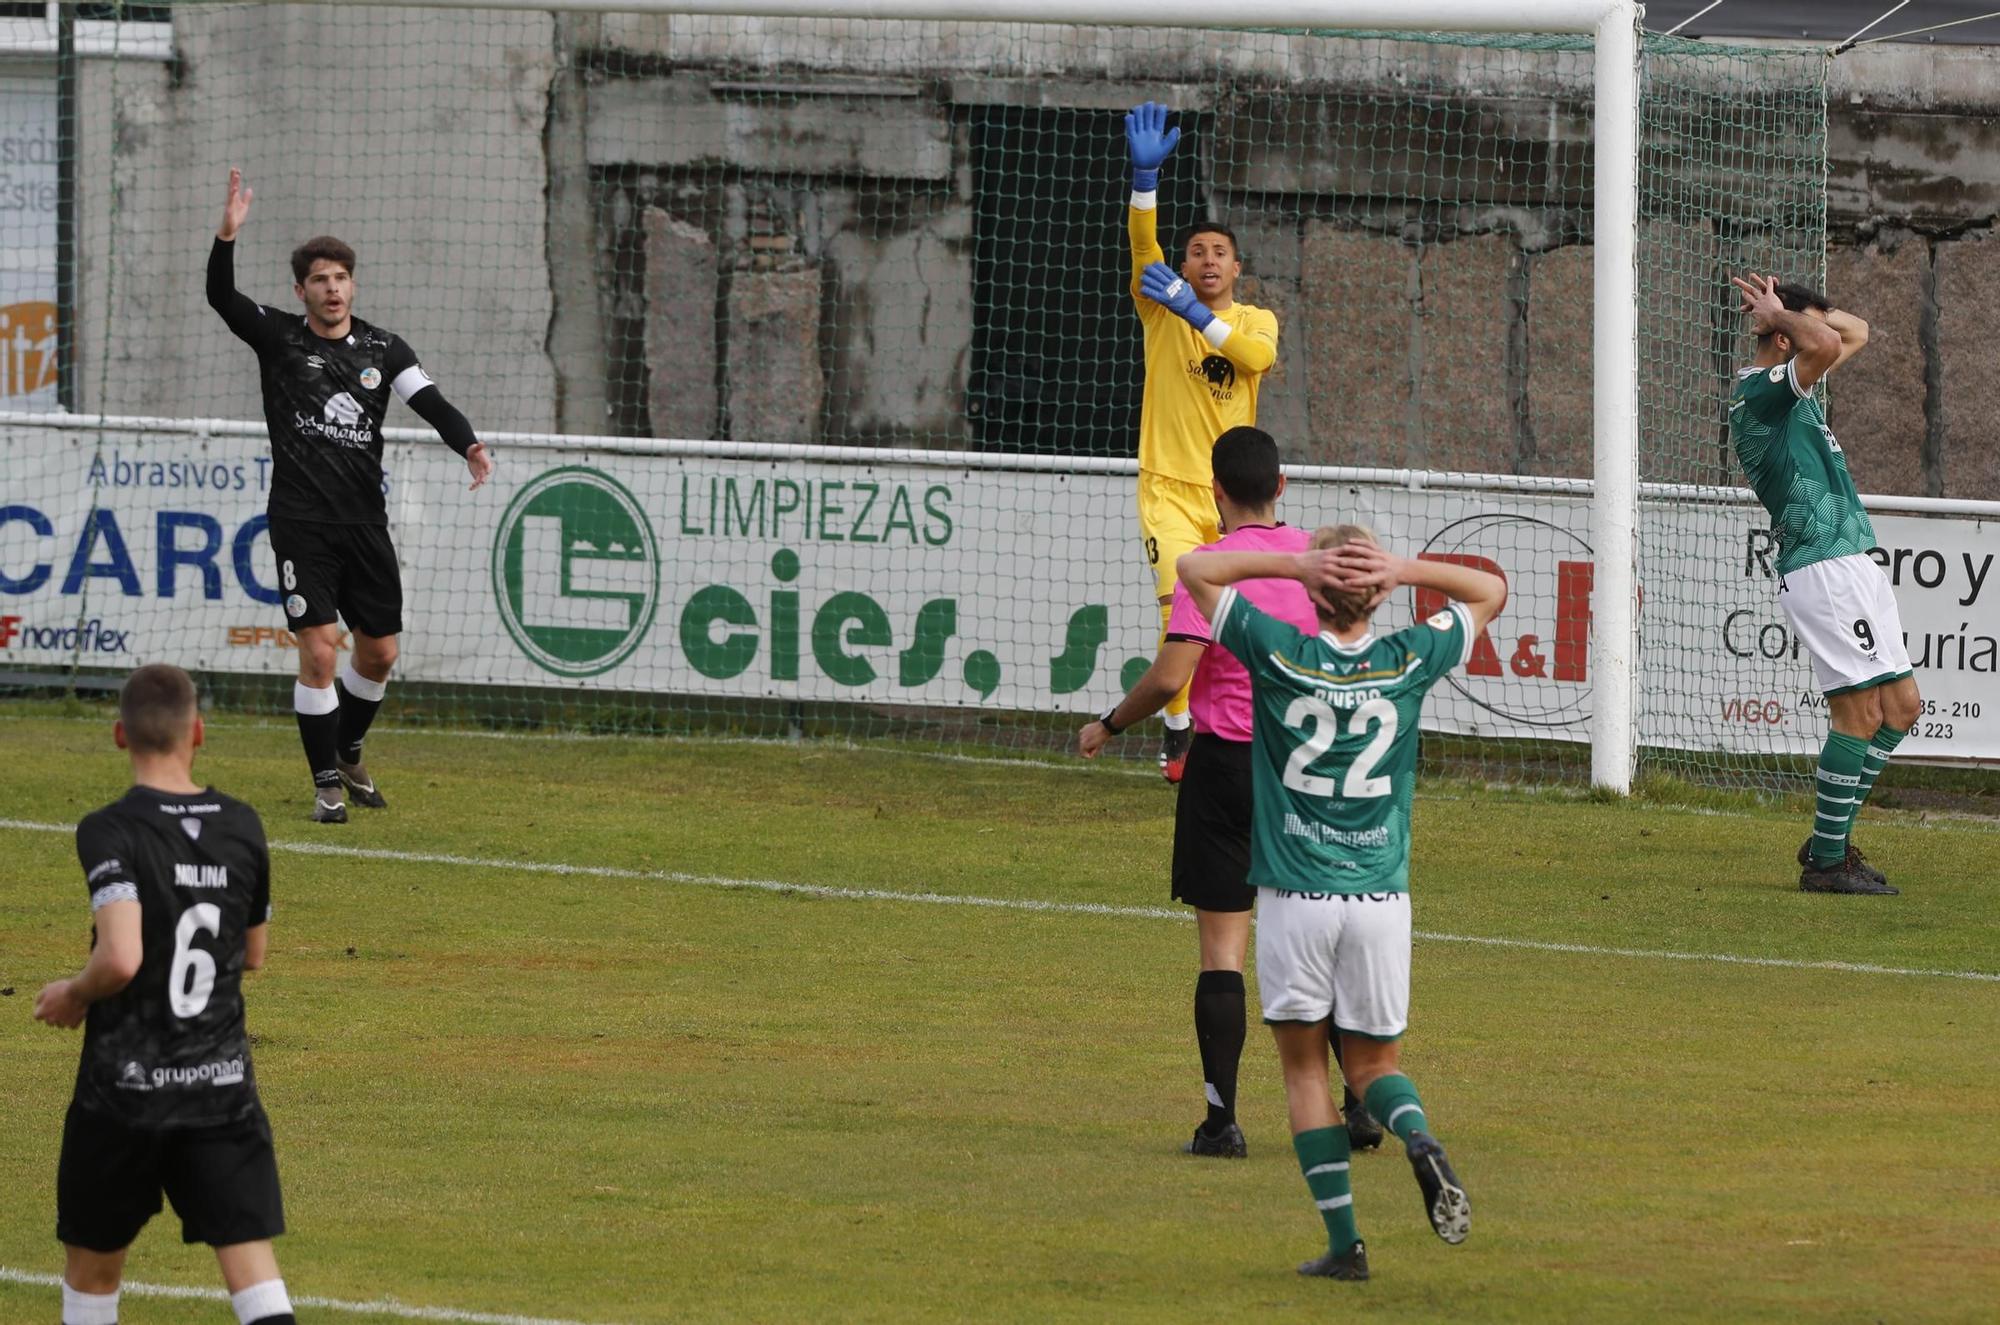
<point x="1057" y="360"/>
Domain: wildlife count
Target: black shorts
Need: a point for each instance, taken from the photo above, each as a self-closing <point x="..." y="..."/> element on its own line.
<point x="223" y="1181"/>
<point x="1212" y="827"/>
<point x="345" y="568"/>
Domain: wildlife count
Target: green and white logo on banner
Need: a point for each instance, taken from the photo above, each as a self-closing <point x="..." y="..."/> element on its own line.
<point x="576" y="571"/>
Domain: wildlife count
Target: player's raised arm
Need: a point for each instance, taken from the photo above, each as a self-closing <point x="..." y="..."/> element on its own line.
<point x="240" y="311"/>
<point x="1816" y="346"/>
<point x="1148" y="142"/>
<point x="1367" y="567"/>
<point x="414" y="387"/>
<point x="1206" y="574"/>
<point x="1853" y="333"/>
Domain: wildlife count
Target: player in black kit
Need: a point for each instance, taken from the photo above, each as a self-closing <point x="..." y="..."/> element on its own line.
<point x="327" y="379"/>
<point x="180" y="889"/>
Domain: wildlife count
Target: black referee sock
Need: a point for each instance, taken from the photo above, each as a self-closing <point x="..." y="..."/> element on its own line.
<point x="360" y="700"/>
<point x="1218" y="1030"/>
<point x="318" y="712"/>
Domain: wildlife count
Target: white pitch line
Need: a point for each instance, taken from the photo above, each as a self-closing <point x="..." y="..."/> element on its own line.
<point x="381" y="1308"/>
<point x="685" y="879"/>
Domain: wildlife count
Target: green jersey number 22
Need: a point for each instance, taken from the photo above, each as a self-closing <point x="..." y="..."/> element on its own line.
<point x="1360" y="782"/>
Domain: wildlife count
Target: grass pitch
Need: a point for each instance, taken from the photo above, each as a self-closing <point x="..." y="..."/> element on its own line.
<point x="635" y="1097"/>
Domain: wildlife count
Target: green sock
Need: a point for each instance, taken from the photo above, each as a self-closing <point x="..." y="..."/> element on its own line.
<point x="1884" y="744"/>
<point x="1393" y="1100"/>
<point x="1323" y="1157"/>
<point x="1839" y="783"/>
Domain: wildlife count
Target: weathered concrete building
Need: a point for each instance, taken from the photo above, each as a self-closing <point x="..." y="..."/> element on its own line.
<point x="913" y="233"/>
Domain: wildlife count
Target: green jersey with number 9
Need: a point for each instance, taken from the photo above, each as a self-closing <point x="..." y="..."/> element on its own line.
<point x="1334" y="745"/>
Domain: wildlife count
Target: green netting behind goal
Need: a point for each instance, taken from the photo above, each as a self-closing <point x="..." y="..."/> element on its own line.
<point x="807" y="351"/>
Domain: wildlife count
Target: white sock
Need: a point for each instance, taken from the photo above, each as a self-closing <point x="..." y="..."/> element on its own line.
<point x="259" y="1301"/>
<point x="1179" y="722"/>
<point x="360" y="686"/>
<point x="89" y="1308"/>
<point x="306" y="699"/>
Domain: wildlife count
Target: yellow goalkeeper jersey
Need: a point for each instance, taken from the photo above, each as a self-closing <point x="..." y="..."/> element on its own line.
<point x="1196" y="389"/>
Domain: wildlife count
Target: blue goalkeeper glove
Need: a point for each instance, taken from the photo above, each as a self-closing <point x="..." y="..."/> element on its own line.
<point x="1163" y="285"/>
<point x="1148" y="141"/>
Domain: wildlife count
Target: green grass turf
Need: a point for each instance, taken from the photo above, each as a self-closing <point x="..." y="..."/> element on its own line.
<point x="640" y="1100"/>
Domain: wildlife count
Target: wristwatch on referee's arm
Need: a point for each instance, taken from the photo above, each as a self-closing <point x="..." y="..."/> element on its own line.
<point x="1109" y="725"/>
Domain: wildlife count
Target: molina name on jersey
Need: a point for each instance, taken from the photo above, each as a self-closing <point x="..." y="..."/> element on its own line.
<point x="324" y="401"/>
<point x="170" y="1049"/>
<point x="1334" y="744"/>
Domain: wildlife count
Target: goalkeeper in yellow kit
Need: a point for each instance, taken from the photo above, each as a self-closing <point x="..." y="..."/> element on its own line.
<point x="1206" y="355"/>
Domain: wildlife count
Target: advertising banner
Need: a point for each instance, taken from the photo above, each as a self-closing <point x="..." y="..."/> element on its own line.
<point x="938" y="583"/>
<point x="28" y="189"/>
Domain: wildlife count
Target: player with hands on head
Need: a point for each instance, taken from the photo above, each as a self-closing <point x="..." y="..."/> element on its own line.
<point x="1211" y="854"/>
<point x="179" y="880"/>
<point x="1837" y="599"/>
<point x="1333" y="762"/>
<point x="1206" y="356"/>
<point x="327" y="377"/>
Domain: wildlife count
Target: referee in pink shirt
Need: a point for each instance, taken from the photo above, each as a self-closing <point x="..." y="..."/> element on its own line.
<point x="1212" y="816"/>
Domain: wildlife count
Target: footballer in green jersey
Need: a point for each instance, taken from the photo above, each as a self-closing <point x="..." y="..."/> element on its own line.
<point x="1334" y="764"/>
<point x="1836" y="598"/>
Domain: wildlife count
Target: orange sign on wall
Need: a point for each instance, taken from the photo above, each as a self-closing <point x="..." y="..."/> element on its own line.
<point x="27" y="348"/>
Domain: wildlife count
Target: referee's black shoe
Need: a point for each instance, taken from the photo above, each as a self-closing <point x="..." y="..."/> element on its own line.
<point x="328" y="812"/>
<point x="359" y="785"/>
<point x="1225" y="1144"/>
<point x="1349" y="1264"/>
<point x="1855" y="862"/>
<point x="1445" y="1202"/>
<point x="1174" y="747"/>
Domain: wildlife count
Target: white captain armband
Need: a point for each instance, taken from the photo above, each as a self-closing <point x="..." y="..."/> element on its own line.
<point x="410" y="381"/>
<point x="113" y="892"/>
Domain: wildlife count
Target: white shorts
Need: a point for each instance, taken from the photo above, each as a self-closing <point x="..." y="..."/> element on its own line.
<point x="1322" y="955"/>
<point x="1844" y="612"/>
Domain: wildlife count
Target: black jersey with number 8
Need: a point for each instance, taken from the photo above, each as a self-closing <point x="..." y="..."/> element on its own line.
<point x="170" y="1050"/>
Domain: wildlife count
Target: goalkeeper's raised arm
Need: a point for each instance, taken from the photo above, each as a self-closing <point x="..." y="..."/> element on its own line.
<point x="1206" y="356"/>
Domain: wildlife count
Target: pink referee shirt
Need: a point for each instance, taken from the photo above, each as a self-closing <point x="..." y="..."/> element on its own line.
<point x="1220" y="695"/>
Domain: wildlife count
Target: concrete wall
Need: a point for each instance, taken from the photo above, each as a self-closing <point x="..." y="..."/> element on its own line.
<point x="345" y="121"/>
<point x="617" y="223"/>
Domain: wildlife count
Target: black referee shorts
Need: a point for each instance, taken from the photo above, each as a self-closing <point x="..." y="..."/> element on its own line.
<point x="1212" y="827"/>
<point x="223" y="1181"/>
<point x="346" y="568"/>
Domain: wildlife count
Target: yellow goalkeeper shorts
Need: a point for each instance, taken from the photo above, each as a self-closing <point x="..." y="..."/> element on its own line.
<point x="1174" y="517"/>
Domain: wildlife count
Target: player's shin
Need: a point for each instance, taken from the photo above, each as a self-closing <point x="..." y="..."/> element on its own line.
<point x="1392" y="1098"/>
<point x="1882" y="745"/>
<point x="1177" y="708"/>
<point x="1219" y="1028"/>
<point x="1323" y="1158"/>
<point x="1838" y="781"/>
<point x="89" y="1308"/>
<point x="360" y="699"/>
<point x="318" y="711"/>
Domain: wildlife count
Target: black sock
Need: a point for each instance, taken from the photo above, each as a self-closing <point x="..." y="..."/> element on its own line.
<point x="1218" y="1030"/>
<point x="356" y="714"/>
<point x="284" y="1318"/>
<point x="318" y="712"/>
<point x="1348" y="1102"/>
